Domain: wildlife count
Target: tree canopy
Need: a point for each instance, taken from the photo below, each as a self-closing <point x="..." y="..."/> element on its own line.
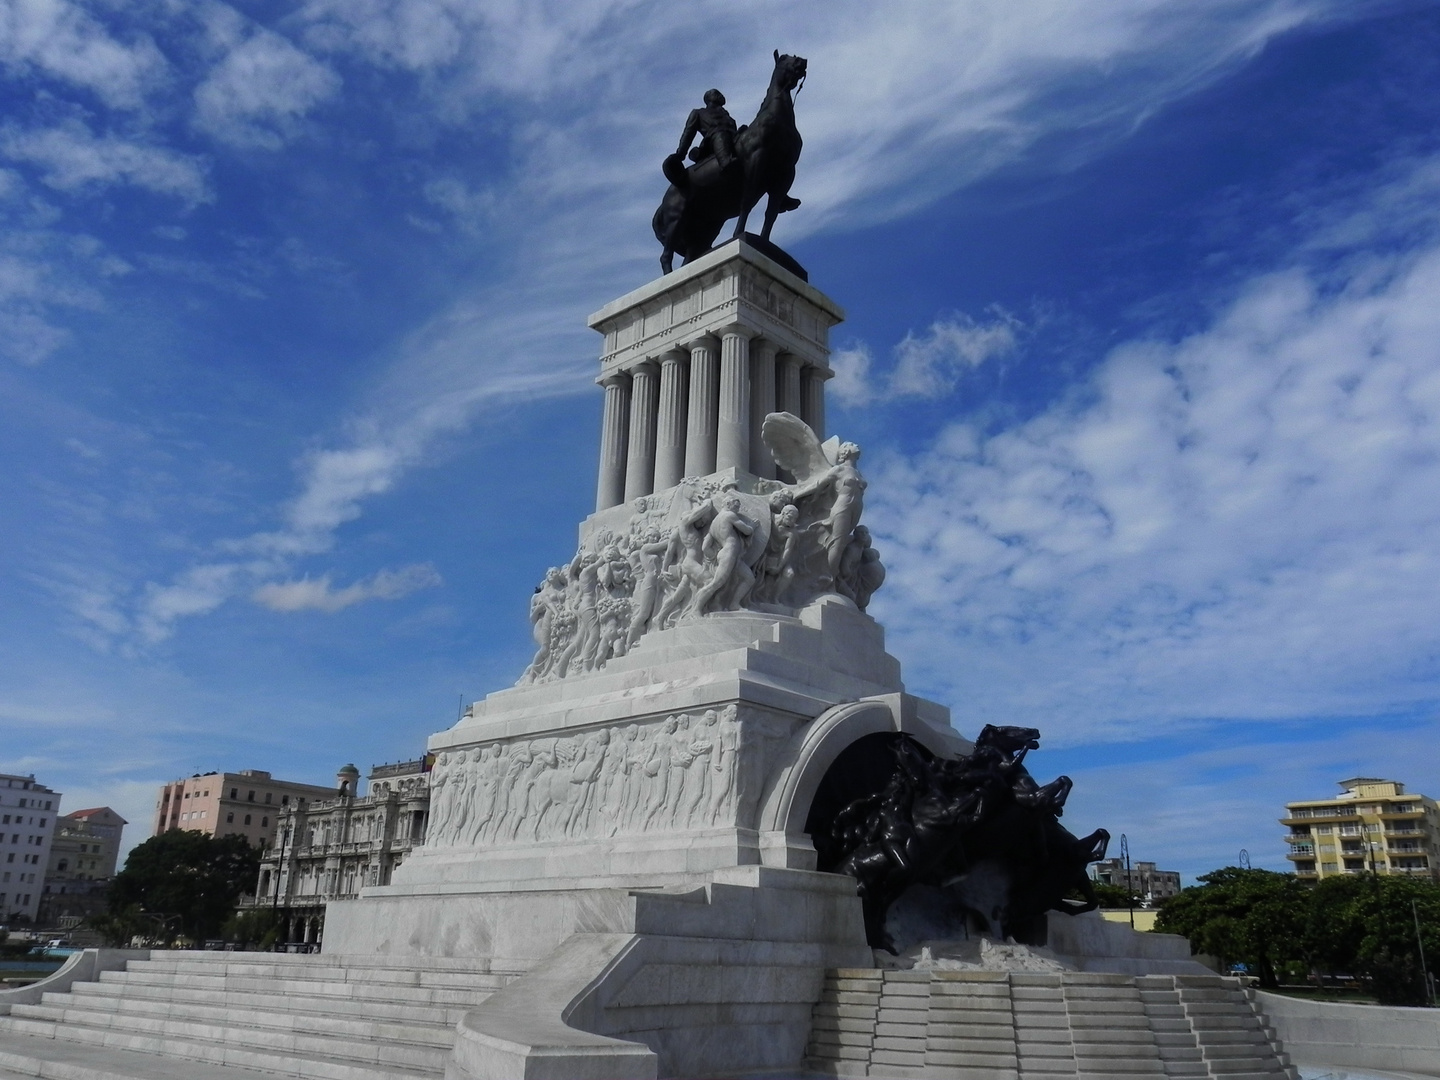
<point x="189" y="876"/>
<point x="1360" y="925"/>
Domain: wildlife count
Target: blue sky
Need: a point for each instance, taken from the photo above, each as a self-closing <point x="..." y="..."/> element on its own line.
<point x="296" y="397"/>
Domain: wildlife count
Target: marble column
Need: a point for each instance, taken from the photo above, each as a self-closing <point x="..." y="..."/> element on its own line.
<point x="670" y="431"/>
<point x="732" y="440"/>
<point x="812" y="399"/>
<point x="640" y="459"/>
<point x="613" y="438"/>
<point x="787" y="389"/>
<point x="762" y="404"/>
<point x="700" y="421"/>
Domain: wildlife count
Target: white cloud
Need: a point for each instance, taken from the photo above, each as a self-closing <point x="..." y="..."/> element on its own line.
<point x="72" y="158"/>
<point x="317" y="594"/>
<point x="1239" y="524"/>
<point x="65" y="42"/>
<point x="197" y="591"/>
<point x="897" y="112"/>
<point x="926" y="365"/>
<point x="256" y="94"/>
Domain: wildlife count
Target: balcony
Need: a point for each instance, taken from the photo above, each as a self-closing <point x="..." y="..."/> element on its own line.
<point x="1298" y="851"/>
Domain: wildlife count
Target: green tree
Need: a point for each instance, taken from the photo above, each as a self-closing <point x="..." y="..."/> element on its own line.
<point x="258" y="927"/>
<point x="1115" y="896"/>
<point x="1388" y="953"/>
<point x="1335" y="924"/>
<point x="1252" y="916"/>
<point x="196" y="877"/>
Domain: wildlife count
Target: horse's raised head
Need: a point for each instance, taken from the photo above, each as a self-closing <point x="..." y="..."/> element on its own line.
<point x="1008" y="739"/>
<point x="789" y="70"/>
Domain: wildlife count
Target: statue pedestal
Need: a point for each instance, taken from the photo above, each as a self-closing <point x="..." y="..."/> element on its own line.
<point x="666" y="898"/>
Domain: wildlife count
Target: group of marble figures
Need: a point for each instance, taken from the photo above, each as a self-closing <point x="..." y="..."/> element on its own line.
<point x="707" y="546"/>
<point x="676" y="774"/>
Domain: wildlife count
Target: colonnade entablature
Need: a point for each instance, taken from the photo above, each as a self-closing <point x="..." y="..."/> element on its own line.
<point x="694" y="362"/>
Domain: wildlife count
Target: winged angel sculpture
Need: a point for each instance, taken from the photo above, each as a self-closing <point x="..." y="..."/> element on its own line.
<point x="709" y="546"/>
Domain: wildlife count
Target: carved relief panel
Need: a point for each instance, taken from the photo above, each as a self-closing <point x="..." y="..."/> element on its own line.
<point x="681" y="772"/>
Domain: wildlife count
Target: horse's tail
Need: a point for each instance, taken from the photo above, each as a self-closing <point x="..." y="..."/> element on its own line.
<point x="675" y="172"/>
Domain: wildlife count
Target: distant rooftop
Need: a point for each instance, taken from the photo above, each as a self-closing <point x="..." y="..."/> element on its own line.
<point x="94" y="810"/>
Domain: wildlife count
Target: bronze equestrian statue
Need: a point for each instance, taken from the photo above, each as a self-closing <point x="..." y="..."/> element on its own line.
<point x="721" y="184"/>
<point x="977" y="828"/>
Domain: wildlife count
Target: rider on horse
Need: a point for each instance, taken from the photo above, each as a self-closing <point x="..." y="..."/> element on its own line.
<point x="716" y="128"/>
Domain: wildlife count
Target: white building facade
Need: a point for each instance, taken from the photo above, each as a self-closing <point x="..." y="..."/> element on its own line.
<point x="27" y="824"/>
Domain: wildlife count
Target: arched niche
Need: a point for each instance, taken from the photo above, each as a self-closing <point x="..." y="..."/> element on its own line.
<point x="787" y="803"/>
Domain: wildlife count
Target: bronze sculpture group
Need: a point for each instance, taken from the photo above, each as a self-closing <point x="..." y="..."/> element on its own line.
<point x="978" y="828"/>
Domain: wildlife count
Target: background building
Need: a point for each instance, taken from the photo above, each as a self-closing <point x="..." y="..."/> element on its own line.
<point x="83" y="854"/>
<point x="1373" y="825"/>
<point x="330" y="849"/>
<point x="1146" y="882"/>
<point x="247" y="803"/>
<point x="27" y="821"/>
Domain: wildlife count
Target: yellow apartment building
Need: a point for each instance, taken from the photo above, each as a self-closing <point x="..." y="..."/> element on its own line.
<point x="246" y="802"/>
<point x="1374" y="825"/>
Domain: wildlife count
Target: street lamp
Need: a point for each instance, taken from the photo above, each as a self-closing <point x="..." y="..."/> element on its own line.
<point x="1244" y="859"/>
<point x="1129" y="892"/>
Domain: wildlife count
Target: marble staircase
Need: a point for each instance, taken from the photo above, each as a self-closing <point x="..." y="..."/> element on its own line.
<point x="208" y="1016"/>
<point x="984" y="1025"/>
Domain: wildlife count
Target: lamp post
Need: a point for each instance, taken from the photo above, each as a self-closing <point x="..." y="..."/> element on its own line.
<point x="1420" y="944"/>
<point x="1244" y="859"/>
<point x="1129" y="892"/>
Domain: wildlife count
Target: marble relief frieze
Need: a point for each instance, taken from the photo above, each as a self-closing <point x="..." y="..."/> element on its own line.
<point x="683" y="772"/>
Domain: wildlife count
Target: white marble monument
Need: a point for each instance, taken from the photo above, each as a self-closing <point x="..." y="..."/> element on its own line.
<point x="700" y="661"/>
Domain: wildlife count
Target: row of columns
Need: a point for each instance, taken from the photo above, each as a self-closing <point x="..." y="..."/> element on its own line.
<point x="698" y="409"/>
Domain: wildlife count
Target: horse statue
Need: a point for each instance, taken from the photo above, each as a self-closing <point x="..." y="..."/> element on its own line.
<point x="978" y="829"/>
<point x="702" y="197"/>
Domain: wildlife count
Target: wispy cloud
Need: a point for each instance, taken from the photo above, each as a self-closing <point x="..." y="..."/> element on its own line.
<point x="1237" y="524"/>
<point x="262" y="87"/>
<point x="897" y="113"/>
<point x="72" y="158"/>
<point x="64" y="41"/>
<point x="318" y="594"/>
<point x="926" y="365"/>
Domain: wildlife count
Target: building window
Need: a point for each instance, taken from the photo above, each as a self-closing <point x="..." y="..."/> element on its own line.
<point x="234" y="793"/>
<point x="268" y="796"/>
<point x="230" y="819"/>
<point x="284" y="800"/>
<point x="250" y="797"/>
<point x="247" y="819"/>
<point x="264" y="822"/>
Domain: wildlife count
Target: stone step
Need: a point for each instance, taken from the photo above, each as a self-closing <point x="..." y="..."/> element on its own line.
<point x="322" y="973"/>
<point x="273" y="1019"/>
<point x="85" y="1027"/>
<point x="302" y="987"/>
<point x="28" y="1057"/>
<point x="308" y="960"/>
<point x="182" y="1051"/>
<point x="110" y="995"/>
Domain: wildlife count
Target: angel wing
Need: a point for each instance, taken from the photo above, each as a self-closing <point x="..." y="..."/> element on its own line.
<point x="794" y="446"/>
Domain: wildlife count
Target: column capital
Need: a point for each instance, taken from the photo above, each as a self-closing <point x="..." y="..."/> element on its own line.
<point x="738" y="330"/>
<point x="703" y="341"/>
<point x="615" y="378"/>
<point x="677" y="355"/>
<point x="647" y="366"/>
<point x="764" y="346"/>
